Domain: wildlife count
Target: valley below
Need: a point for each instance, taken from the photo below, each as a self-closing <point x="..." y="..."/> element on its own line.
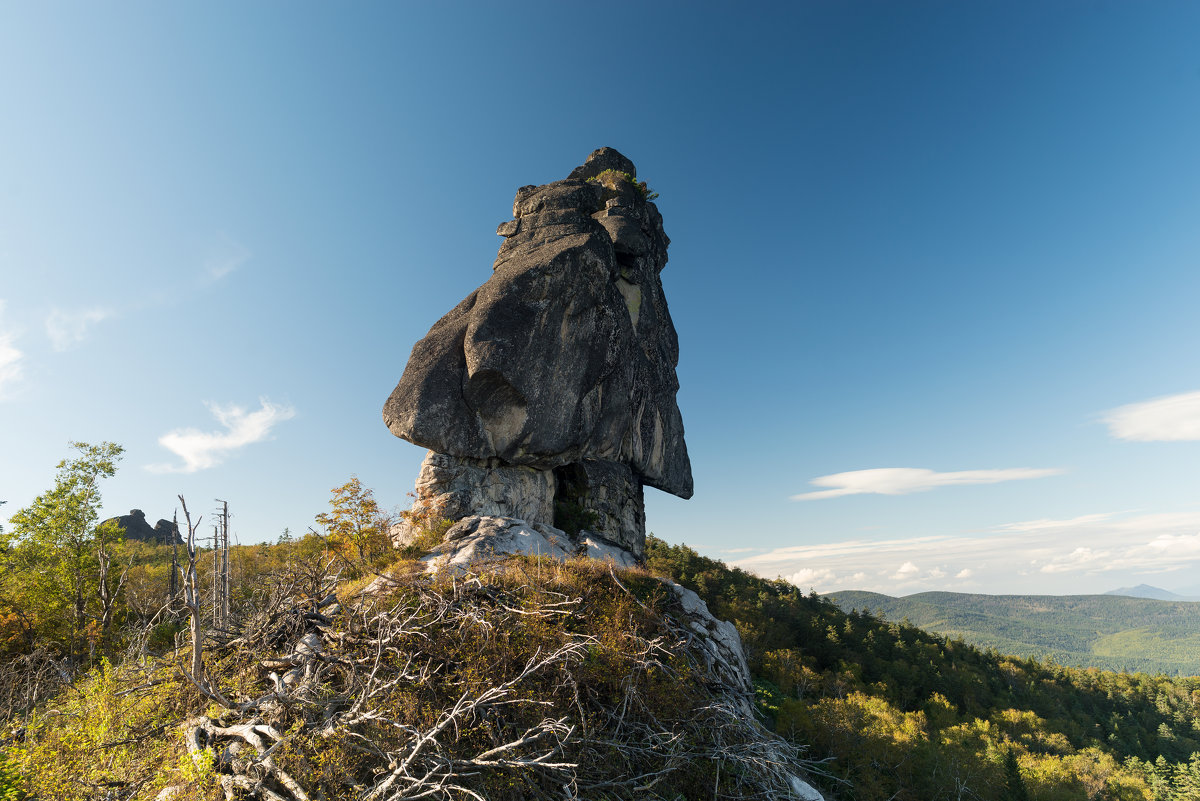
<point x="1108" y="632"/>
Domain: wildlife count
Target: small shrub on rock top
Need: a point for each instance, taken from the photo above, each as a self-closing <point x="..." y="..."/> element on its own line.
<point x="611" y="176"/>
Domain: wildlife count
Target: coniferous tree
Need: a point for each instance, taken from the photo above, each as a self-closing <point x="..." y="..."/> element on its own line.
<point x="1014" y="785"/>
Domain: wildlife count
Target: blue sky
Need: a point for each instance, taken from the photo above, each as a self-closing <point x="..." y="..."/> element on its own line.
<point x="933" y="265"/>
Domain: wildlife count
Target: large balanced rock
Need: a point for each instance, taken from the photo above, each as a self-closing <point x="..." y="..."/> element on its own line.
<point x="550" y="390"/>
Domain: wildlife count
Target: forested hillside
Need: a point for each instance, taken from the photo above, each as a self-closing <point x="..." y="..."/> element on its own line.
<point x="900" y="713"/>
<point x="1110" y="632"/>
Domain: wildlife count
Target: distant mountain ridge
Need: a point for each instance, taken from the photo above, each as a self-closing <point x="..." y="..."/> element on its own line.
<point x="1147" y="591"/>
<point x="1109" y="632"/>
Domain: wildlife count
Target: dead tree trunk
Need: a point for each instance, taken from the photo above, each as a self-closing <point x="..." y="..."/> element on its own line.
<point x="225" y="571"/>
<point x="174" y="590"/>
<point x="216" y="578"/>
<point x="191" y="598"/>
<point x="108" y="595"/>
<point x="220" y="568"/>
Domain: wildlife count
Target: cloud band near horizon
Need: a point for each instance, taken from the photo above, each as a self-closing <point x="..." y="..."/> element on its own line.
<point x="905" y="480"/>
<point x="1011" y="558"/>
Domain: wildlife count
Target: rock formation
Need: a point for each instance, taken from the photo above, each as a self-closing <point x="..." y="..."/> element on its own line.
<point x="548" y="394"/>
<point x="135" y="527"/>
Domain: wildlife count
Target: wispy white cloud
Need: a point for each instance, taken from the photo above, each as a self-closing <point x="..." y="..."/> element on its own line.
<point x="11" y="367"/>
<point x="1015" y="557"/>
<point x="1046" y="524"/>
<point x="67" y="329"/>
<point x="904" y="480"/>
<point x="225" y="256"/>
<point x="1167" y="553"/>
<point x="201" y="450"/>
<point x="1172" y="418"/>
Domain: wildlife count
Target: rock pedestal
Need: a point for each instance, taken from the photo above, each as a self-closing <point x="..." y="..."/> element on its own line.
<point x="453" y="487"/>
<point x="548" y="394"/>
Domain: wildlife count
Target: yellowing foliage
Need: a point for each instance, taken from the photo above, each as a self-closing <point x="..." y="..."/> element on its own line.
<point x="356" y="527"/>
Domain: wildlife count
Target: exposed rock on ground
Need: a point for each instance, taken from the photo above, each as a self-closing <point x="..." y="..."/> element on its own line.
<point x="476" y="540"/>
<point x="480" y="539"/>
<point x="548" y="394"/>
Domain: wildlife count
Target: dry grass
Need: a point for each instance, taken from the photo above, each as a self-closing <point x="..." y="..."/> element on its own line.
<point x="536" y="679"/>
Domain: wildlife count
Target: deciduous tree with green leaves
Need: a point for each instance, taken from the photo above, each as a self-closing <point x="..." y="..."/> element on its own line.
<point x="54" y="550"/>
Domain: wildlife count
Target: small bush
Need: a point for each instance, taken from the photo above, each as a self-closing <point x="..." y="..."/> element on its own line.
<point x="427" y="518"/>
<point x="98" y="734"/>
<point x="610" y="177"/>
<point x="11" y="783"/>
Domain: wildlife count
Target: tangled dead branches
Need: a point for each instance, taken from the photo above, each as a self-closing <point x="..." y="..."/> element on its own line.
<point x="491" y="687"/>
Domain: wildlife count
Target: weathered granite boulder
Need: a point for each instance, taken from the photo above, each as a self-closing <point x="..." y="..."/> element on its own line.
<point x="477" y="539"/>
<point x="134" y="524"/>
<point x="462" y="487"/>
<point x="550" y="390"/>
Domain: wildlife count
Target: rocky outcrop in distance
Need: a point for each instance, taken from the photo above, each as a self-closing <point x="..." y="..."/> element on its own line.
<point x="134" y="524"/>
<point x="548" y="395"/>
